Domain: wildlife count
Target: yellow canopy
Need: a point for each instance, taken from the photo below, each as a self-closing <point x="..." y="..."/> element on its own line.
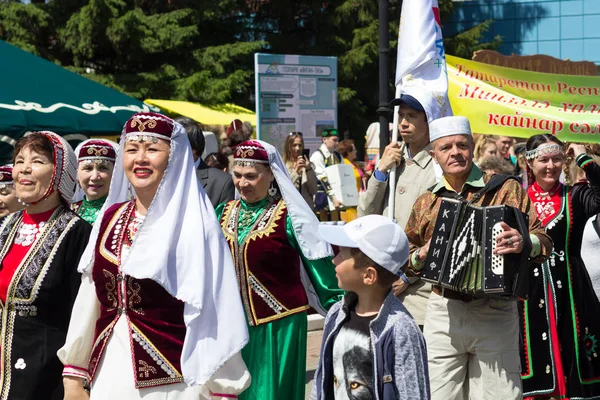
<point x="207" y="115"/>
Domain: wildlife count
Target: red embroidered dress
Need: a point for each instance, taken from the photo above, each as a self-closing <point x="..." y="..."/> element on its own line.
<point x="39" y="254"/>
<point x="29" y="230"/>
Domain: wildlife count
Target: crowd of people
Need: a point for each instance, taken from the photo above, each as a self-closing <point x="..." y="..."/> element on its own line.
<point x="143" y="270"/>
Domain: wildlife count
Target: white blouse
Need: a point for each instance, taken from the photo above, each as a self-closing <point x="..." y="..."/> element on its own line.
<point x="114" y="377"/>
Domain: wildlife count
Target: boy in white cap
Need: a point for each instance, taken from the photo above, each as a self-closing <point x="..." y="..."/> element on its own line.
<point x="415" y="172"/>
<point x="473" y="343"/>
<point x="372" y="348"/>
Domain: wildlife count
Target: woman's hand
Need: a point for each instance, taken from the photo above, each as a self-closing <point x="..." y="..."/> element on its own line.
<point x="576" y="150"/>
<point x="74" y="389"/>
<point x="308" y="164"/>
<point x="300" y="164"/>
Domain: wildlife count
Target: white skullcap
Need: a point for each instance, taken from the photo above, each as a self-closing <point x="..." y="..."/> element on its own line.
<point x="449" y="126"/>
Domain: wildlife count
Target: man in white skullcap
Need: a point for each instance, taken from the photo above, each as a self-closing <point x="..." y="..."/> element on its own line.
<point x="472" y="343"/>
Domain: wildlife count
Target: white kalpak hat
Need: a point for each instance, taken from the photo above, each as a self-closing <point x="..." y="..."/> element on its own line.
<point x="378" y="237"/>
<point x="449" y="126"/>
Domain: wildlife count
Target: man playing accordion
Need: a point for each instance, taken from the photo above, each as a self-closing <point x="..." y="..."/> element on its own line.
<point x="472" y="342"/>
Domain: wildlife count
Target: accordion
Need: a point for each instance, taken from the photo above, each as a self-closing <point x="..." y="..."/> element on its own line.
<point x="461" y="252"/>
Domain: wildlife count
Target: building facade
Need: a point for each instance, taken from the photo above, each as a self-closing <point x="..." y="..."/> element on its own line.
<point x="566" y="29"/>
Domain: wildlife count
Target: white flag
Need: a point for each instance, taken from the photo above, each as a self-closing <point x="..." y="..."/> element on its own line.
<point x="421" y="66"/>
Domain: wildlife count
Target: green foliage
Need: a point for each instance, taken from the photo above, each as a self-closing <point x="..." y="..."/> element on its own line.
<point x="24" y="26"/>
<point x="465" y="43"/>
<point x="203" y="51"/>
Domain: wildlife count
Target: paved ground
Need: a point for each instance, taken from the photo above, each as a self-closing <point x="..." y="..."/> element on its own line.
<point x="313" y="347"/>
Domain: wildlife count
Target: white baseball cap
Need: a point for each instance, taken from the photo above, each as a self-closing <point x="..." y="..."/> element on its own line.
<point x="378" y="237"/>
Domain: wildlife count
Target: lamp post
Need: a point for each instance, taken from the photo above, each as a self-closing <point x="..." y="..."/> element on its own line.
<point x="384" y="49"/>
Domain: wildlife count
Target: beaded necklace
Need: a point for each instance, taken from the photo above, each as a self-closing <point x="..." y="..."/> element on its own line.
<point x="133" y="226"/>
<point x="249" y="211"/>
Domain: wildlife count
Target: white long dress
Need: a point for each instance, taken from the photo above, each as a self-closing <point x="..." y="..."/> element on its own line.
<point x="590" y="245"/>
<point x="114" y="377"/>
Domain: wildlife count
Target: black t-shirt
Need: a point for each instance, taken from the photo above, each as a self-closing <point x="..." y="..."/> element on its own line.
<point x="353" y="360"/>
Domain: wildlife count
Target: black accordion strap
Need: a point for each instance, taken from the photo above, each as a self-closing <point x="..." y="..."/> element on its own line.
<point x="495" y="183"/>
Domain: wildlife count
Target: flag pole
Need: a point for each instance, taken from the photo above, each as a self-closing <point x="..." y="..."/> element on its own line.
<point x="392" y="177"/>
<point x="384" y="88"/>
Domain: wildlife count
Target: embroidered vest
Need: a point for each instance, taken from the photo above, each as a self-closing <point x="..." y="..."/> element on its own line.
<point x="267" y="266"/>
<point x="154" y="318"/>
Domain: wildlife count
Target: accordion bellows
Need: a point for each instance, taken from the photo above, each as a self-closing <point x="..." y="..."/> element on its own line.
<point x="461" y="254"/>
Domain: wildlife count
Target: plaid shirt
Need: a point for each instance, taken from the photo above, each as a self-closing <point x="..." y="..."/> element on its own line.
<point x="421" y="223"/>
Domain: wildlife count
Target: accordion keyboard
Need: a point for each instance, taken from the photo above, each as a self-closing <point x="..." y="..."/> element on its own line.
<point x="497" y="260"/>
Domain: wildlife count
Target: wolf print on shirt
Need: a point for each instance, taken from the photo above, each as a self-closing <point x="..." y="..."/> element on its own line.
<point x="352" y="366"/>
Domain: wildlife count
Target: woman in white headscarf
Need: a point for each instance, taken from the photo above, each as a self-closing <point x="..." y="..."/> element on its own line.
<point x="158" y="315"/>
<point x="95" y="164"/>
<point x="282" y="264"/>
<point x="40" y="248"/>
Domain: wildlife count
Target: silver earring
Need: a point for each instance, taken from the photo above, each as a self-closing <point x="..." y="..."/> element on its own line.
<point x="272" y="190"/>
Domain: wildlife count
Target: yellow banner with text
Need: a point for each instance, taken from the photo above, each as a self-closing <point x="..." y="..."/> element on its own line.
<point x="512" y="102"/>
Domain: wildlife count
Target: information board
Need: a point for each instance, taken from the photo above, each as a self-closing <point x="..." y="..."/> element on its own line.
<point x="295" y="94"/>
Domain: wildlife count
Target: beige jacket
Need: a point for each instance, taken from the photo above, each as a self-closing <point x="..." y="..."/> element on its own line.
<point x="413" y="178"/>
<point x="308" y="184"/>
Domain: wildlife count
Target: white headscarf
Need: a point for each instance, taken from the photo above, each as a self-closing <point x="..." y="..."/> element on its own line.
<point x="65" y="167"/>
<point x="180" y="245"/>
<point x="304" y="221"/>
<point x="79" y="194"/>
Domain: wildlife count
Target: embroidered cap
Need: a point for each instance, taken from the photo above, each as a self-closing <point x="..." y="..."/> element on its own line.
<point x="6" y="176"/>
<point x="249" y="153"/>
<point x="148" y="127"/>
<point x="378" y="237"/>
<point x="546" y="149"/>
<point x="328" y="132"/>
<point x="449" y="126"/>
<point x="97" y="150"/>
<point x="235" y="125"/>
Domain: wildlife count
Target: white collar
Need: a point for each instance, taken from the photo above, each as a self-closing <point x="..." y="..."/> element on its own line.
<point x="324" y="150"/>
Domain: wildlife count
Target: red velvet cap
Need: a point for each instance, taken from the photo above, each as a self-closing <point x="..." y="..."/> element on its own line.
<point x="235" y="125"/>
<point x="147" y="125"/>
<point x="6" y="174"/>
<point x="250" y="151"/>
<point x="97" y="150"/>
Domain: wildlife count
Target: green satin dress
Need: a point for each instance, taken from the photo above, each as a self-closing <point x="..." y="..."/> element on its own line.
<point x="276" y="352"/>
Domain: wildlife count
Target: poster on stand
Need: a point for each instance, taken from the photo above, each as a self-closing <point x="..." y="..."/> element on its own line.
<point x="295" y="94"/>
<point x="343" y="183"/>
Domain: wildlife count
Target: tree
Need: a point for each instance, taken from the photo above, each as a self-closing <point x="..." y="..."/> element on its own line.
<point x="157" y="49"/>
<point x="202" y="51"/>
<point x="25" y="26"/>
